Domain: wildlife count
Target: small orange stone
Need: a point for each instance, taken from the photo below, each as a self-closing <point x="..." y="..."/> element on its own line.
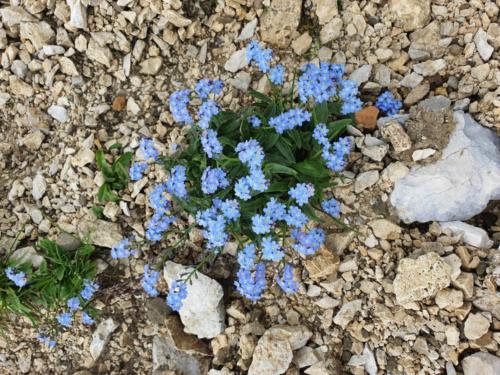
<point x="119" y="103"/>
<point x="367" y="117"/>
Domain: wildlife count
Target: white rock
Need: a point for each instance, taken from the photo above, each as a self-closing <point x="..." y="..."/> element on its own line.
<point x="38" y="33"/>
<point x="52" y="50"/>
<point x="202" y="311"/>
<point x="78" y="16"/>
<point x="83" y="157"/>
<point x="481" y="42"/>
<point x="365" y="360"/>
<point x="332" y="30"/>
<point x="422" y="154"/>
<point x="248" y="30"/>
<point x="237" y="61"/>
<point x="279" y="21"/>
<point x="412" y="14"/>
<point x="476" y="326"/>
<point x="385" y="229"/>
<point x="67" y="66"/>
<point x="39" y="186"/>
<point x="347" y="312"/>
<point x="99" y="232"/>
<point x="27" y="255"/>
<point x="151" y="66"/>
<point x="411" y="80"/>
<point x="417" y="279"/>
<point x="59" y="113"/>
<point x="376" y="152"/>
<point x="241" y="81"/>
<point x="325" y="10"/>
<point x="272" y="355"/>
<point x="481" y="363"/>
<point x="101" y="337"/>
<point x="452" y="335"/>
<point x="176" y="19"/>
<point x="458" y="186"/>
<point x="455" y="265"/>
<point x="430" y="67"/>
<point x="365" y="180"/>
<point x="472" y="235"/>
<point x="362" y="74"/>
<point x="395" y="171"/>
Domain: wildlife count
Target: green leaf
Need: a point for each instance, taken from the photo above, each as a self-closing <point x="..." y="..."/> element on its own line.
<point x="280" y="169"/>
<point x="115" y="146"/>
<point x="279" y="187"/>
<point x="97" y="211"/>
<point x="338" y="127"/>
<point x="103" y="165"/>
<point x="296" y="137"/>
<point x="121" y="172"/>
<point x="285" y="150"/>
<point x="260" y="96"/>
<point x="106" y="195"/>
<point x="312" y="168"/>
<point x="321" y="113"/>
<point x="310" y="213"/>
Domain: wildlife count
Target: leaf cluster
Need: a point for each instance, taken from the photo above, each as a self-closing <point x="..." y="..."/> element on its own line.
<point x="116" y="175"/>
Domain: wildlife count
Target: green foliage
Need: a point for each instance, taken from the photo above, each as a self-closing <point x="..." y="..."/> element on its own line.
<point x="115" y="175"/>
<point x="290" y="158"/>
<point x="59" y="277"/>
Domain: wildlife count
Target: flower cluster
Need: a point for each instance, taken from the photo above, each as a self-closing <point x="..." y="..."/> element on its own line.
<point x="18" y="278"/>
<point x="319" y="82"/>
<point x="178" y="292"/>
<point x="74" y="304"/>
<point x="261" y="57"/>
<point x="335" y="155"/>
<point x="289" y="120"/>
<point x="149" y="280"/>
<point x="251" y="154"/>
<point x="388" y="104"/>
<point x="149" y="151"/>
<point x="46" y="340"/>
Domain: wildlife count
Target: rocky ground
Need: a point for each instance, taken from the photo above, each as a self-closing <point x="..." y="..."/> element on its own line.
<point x="412" y="290"/>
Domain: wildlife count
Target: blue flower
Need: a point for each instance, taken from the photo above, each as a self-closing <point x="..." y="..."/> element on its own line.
<point x="65" y="319"/>
<point x="286" y="282"/>
<point x="262" y="57"/>
<point x="246" y="257"/>
<point x="271" y="249"/>
<point x="120" y="250"/>
<point x="275" y="210"/>
<point x="320" y="134"/>
<point x="230" y="208"/>
<point x="205" y="87"/>
<point x="319" y="82"/>
<point x="18" y="278"/>
<point x="178" y="106"/>
<point x="250" y="153"/>
<point x="176" y="183"/>
<point x="73" y="304"/>
<point x="308" y="243"/>
<point x="89" y="289"/>
<point x="177" y="294"/>
<point x="261" y="224"/>
<point x="157" y="199"/>
<point x="206" y="111"/>
<point x="348" y="93"/>
<point x="215" y="232"/>
<point x="331" y="207"/>
<point x="388" y="104"/>
<point x="136" y="170"/>
<point x="242" y="189"/>
<point x="257" y="180"/>
<point x="46" y="340"/>
<point x="87" y="319"/>
<point x="255" y="121"/>
<point x="251" y="284"/>
<point x="277" y="75"/>
<point x="210" y="143"/>
<point x="295" y="217"/>
<point x="289" y="120"/>
<point x="148" y="149"/>
<point x="213" y="179"/>
<point x="301" y="193"/>
<point x="158" y="225"/>
<point x="149" y="280"/>
<point x="337" y="160"/>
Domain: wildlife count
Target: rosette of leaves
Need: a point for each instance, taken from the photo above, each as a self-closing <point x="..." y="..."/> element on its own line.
<point x="116" y="175"/>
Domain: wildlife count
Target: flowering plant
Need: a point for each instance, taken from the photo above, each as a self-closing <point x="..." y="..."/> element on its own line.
<point x="257" y="177"/>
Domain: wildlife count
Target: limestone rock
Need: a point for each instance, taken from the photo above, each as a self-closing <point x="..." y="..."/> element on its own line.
<point x="272" y="355"/>
<point x="58" y="113"/>
<point x="481" y="42"/>
<point x="481" y="363"/>
<point x="38" y="33"/>
<point x="326" y="10"/>
<point x="237" y="61"/>
<point x="385" y="229"/>
<point x="202" y="311"/>
<point x="362" y="74"/>
<point x="471" y="235"/>
<point x="458" y="186"/>
<point x="39" y="186"/>
<point x="322" y="264"/>
<point x="302" y="44"/>
<point x="331" y="31"/>
<point x="248" y="30"/>
<point x="449" y="299"/>
<point x="280" y="21"/>
<point x="78" y="16"/>
<point x="101" y="337"/>
<point x="100" y="54"/>
<point x="476" y="326"/>
<point x="420" y="278"/>
<point x="176" y="19"/>
<point x="347" y="312"/>
<point x="151" y="66"/>
<point x="487" y="301"/>
<point x="101" y="233"/>
<point x="365" y="180"/>
<point x="413" y="14"/>
<point x="430" y="67"/>
<point x="395" y="133"/>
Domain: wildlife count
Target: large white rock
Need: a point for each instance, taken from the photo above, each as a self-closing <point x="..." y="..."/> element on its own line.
<point x="481" y="363"/>
<point x="202" y="311"/>
<point x="458" y="186"/>
<point x="101" y="337"/>
<point x="78" y="16"/>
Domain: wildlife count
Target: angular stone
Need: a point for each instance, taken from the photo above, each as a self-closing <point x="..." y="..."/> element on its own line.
<point x="481" y="42"/>
<point x="411" y="14"/>
<point x="430" y="67"/>
<point x="422" y="154"/>
<point x="27" y="255"/>
<point x="151" y="66"/>
<point x="420" y="278"/>
<point x="395" y="133"/>
<point x="365" y="180"/>
<point x="332" y="30"/>
<point x="18" y="87"/>
<point x="99" y="232"/>
<point x="489" y="302"/>
<point x="362" y="74"/>
<point x="34" y="140"/>
<point x="347" y="312"/>
<point x="14" y="15"/>
<point x="449" y="299"/>
<point x="101" y="336"/>
<point x="322" y="264"/>
<point x="78" y="16"/>
<point x="237" y="61"/>
<point x="39" y="186"/>
<point x="476" y="326"/>
<point x="248" y="30"/>
<point x="176" y="19"/>
<point x="302" y="44"/>
<point x="279" y="22"/>
<point x="465" y="282"/>
<point x="458" y="186"/>
<point x="325" y="10"/>
<point x="367" y="117"/>
<point x="68" y="67"/>
<point x="385" y="229"/>
<point x="471" y="235"/>
<point x="395" y="171"/>
<point x="58" y="113"/>
<point x="202" y="311"/>
<point x="100" y="54"/>
<point x="38" y="33"/>
<point x="273" y="354"/>
<point x="417" y="93"/>
<point x="481" y="363"/>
